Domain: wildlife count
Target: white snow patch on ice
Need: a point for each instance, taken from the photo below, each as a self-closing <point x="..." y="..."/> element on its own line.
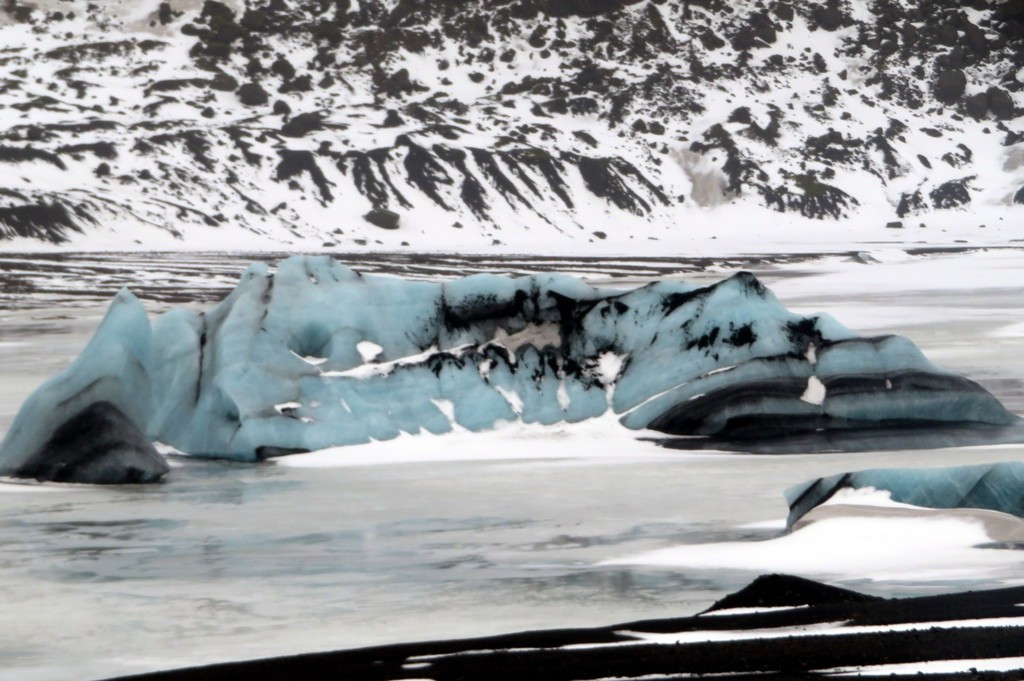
<point x="819" y="629"/>
<point x="815" y="392"/>
<point x="447" y="407"/>
<point x="881" y="548"/>
<point x="563" y="396"/>
<point x="310" y="359"/>
<point x="864" y="496"/>
<point x="609" y="366"/>
<point x="368" y="350"/>
<point x="1000" y="664"/>
<point x="596" y="439"/>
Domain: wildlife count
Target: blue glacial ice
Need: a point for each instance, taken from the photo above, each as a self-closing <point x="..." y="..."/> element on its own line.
<point x="317" y="355"/>
<point x="993" y="487"/>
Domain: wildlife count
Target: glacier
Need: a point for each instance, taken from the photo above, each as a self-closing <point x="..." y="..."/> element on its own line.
<point x="992" y="487"/>
<point x="315" y="355"/>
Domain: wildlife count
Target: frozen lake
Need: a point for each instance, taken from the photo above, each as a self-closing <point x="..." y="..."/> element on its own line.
<point x="229" y="561"/>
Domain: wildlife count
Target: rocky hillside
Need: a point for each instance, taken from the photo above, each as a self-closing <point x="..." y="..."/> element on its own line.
<point x="517" y="123"/>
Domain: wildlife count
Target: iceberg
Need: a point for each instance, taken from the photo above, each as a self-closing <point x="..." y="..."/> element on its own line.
<point x="991" y="487"/>
<point x="316" y="355"/>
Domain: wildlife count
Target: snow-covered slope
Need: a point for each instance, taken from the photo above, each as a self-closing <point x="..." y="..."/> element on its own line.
<point x="644" y="125"/>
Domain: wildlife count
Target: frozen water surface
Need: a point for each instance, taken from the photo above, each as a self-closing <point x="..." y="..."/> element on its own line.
<point x="457" y="535"/>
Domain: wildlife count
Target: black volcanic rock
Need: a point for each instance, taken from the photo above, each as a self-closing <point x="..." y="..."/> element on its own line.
<point x="303" y="124"/>
<point x="950" y="86"/>
<point x="581" y="8"/>
<point x="1000" y="103"/>
<point x="392" y="120"/>
<point x="385" y="219"/>
<point x="98" y="446"/>
<point x="951" y="194"/>
<point x="829" y="17"/>
<point x="224" y="82"/>
<point x="976" y="105"/>
<point x="253" y="94"/>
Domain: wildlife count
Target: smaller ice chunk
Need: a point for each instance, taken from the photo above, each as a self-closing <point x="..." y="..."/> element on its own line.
<point x="993" y="487"/>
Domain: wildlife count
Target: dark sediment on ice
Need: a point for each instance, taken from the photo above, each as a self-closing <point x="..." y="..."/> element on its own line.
<point x="897" y="436"/>
<point x="945" y="632"/>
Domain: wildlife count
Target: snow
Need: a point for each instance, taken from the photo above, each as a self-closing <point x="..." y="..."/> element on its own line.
<point x="815" y="392"/>
<point x="593" y="440"/>
<point x="260" y="212"/>
<point x="864" y="547"/>
<point x="818" y="629"/>
<point x="1000" y="664"/>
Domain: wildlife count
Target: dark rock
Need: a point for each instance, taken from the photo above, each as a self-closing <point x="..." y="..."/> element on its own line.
<point x="385" y="219"/>
<point x="1019" y="196"/>
<point x="44" y="221"/>
<point x="976" y="106"/>
<point x="281" y="108"/>
<point x="283" y="68"/>
<point x="295" y="162"/>
<point x="710" y="40"/>
<point x="300" y="84"/>
<point x="253" y="94"/>
<point x="783" y="10"/>
<point x="585" y="137"/>
<point x="744" y="39"/>
<point x="600" y="235"/>
<point x="98" y="446"/>
<point x="164" y="13"/>
<point x="780" y="591"/>
<point x="810" y="197"/>
<point x="829" y="18"/>
<point x="951" y="194"/>
<point x="950" y="85"/>
<point x="224" y="82"/>
<point x="896" y="224"/>
<point x="400" y="83"/>
<point x="1001" y="103"/>
<point x="393" y="120"/>
<point x="910" y="204"/>
<point x="581" y="8"/>
<point x="303" y="124"/>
